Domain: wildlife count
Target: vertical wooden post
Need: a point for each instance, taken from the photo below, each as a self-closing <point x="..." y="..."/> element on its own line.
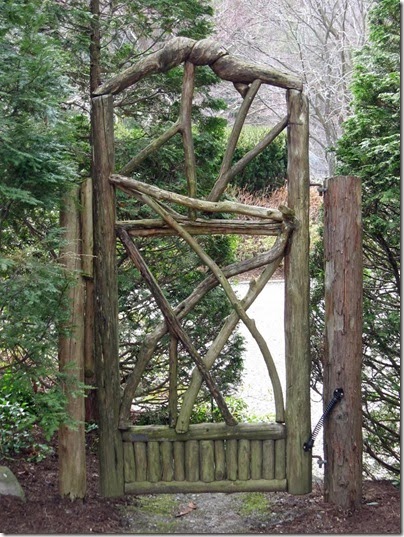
<point x="343" y="340"/>
<point x="297" y="343"/>
<point x="173" y="381"/>
<point x="106" y="299"/>
<point x="87" y="233"/>
<point x="72" y="452"/>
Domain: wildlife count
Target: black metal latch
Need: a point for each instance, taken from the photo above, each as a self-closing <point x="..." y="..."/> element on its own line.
<point x="338" y="395"/>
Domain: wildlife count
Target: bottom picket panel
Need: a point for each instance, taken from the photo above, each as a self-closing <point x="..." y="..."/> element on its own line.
<point x="209" y="458"/>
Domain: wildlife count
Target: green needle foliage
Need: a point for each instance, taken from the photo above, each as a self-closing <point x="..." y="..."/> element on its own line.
<point x="370" y="149"/>
<point x="45" y="64"/>
<point x="36" y="168"/>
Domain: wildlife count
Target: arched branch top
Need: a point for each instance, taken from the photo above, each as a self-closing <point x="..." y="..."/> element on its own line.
<point x="203" y="52"/>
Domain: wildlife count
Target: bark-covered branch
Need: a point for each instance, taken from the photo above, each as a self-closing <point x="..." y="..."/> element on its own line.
<point x="173" y="323"/>
<point x="154" y="227"/>
<point x="132" y="185"/>
<point x="271" y="258"/>
<point x="203" y="52"/>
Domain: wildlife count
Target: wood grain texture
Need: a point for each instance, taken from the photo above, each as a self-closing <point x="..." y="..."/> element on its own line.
<point x="343" y="340"/>
<point x="205" y="431"/>
<point x="167" y="461"/>
<point x="72" y="451"/>
<point x="260" y="485"/>
<point x="297" y="282"/>
<point x="106" y="299"/>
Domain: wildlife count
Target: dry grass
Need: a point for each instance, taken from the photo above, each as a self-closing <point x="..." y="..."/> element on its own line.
<point x="278" y="197"/>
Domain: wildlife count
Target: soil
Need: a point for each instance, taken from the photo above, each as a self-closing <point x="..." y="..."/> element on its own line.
<point x="44" y="511"/>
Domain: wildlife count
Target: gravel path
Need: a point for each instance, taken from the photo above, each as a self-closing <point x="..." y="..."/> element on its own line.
<point x="213" y="513"/>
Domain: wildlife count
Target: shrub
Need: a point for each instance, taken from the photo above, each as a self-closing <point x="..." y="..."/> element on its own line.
<point x="267" y="170"/>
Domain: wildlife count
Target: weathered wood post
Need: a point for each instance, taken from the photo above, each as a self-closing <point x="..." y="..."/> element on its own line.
<point x="87" y="234"/>
<point x="106" y="299"/>
<point x="343" y="340"/>
<point x="297" y="343"/>
<point x="72" y="449"/>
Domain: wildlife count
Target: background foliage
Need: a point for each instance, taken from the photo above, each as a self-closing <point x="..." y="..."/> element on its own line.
<point x="45" y="147"/>
<point x="36" y="168"/>
<point x="370" y="149"/>
<point x="268" y="170"/>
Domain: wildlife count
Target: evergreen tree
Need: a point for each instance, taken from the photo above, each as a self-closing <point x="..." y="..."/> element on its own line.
<point x="35" y="161"/>
<point x="45" y="72"/>
<point x="36" y="168"/>
<point x="370" y="149"/>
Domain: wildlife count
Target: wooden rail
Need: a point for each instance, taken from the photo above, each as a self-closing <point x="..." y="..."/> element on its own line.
<point x="205" y="431"/>
<point x="171" y="487"/>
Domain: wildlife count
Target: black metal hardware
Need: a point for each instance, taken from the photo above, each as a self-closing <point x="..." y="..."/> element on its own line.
<point x="337" y="396"/>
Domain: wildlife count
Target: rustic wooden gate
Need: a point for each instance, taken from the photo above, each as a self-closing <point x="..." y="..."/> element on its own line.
<point x="225" y="456"/>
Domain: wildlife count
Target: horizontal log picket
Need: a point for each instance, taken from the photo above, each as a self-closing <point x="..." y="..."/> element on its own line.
<point x="220" y="457"/>
<point x="154" y="227"/>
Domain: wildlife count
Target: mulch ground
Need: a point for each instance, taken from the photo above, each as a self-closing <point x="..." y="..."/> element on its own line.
<point x="380" y="513"/>
<point x="45" y="512"/>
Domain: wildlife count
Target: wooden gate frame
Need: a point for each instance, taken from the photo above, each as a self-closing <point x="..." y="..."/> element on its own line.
<point x="246" y="78"/>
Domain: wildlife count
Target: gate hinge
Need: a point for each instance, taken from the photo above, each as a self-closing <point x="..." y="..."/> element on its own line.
<point x="320" y="460"/>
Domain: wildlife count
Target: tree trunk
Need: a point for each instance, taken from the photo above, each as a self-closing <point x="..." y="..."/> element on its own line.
<point x="91" y="403"/>
<point x="106" y="299"/>
<point x="343" y="340"/>
<point x="72" y="453"/>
